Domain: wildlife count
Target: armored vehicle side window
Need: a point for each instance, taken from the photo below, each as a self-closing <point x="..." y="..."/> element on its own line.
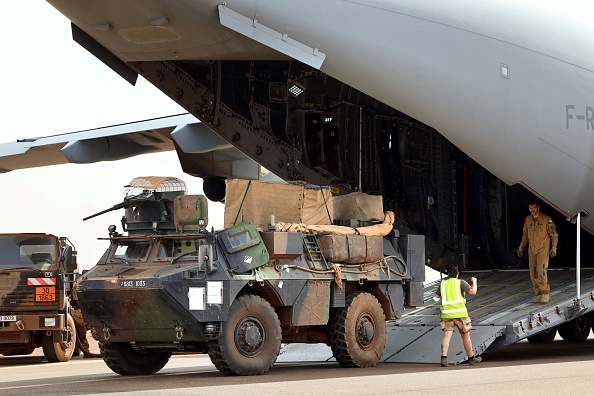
<point x="28" y="251"/>
<point x="240" y="238"/>
<point x="131" y="250"/>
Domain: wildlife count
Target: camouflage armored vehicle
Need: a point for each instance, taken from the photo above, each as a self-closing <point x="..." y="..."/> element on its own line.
<point x="239" y="293"/>
<point x="37" y="273"/>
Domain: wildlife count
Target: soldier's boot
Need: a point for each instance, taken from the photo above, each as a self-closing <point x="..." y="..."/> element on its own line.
<point x="538" y="299"/>
<point x="474" y="360"/>
<point x="544" y="298"/>
<point x="444" y="362"/>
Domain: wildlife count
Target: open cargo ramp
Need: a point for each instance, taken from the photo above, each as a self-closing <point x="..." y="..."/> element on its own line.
<point x="502" y="314"/>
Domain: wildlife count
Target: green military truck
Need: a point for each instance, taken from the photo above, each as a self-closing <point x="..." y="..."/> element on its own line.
<point x="37" y="273"/>
<point x="238" y="294"/>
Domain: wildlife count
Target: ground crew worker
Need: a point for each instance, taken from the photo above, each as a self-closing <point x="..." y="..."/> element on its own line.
<point x="81" y="331"/>
<point x="79" y="324"/>
<point x="541" y="237"/>
<point x="453" y="314"/>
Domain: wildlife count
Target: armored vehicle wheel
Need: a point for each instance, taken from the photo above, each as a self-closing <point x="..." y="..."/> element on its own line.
<point x="544" y="337"/>
<point x="576" y="330"/>
<point x="250" y="340"/>
<point x="121" y="358"/>
<point x="358" y="331"/>
<point x="60" y="351"/>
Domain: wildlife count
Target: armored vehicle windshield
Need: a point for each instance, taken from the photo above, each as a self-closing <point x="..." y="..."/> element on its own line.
<point x="179" y="247"/>
<point x="130" y="250"/>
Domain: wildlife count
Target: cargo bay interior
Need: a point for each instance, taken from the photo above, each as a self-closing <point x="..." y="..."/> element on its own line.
<point x="361" y="144"/>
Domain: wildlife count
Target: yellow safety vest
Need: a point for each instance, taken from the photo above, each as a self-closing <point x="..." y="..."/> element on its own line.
<point x="453" y="303"/>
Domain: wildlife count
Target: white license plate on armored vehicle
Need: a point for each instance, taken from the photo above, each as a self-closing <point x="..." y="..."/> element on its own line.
<point x="132" y="283"/>
<point x="8" y="318"/>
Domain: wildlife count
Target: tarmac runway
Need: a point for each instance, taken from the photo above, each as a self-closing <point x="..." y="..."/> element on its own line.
<point x="558" y="368"/>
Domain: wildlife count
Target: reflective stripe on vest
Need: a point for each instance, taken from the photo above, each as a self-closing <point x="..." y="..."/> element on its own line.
<point x="453" y="304"/>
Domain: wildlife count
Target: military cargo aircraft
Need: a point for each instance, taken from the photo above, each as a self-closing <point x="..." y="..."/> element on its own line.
<point x="456" y="112"/>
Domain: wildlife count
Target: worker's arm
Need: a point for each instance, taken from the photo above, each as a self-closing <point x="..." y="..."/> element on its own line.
<point x="437" y="294"/>
<point x="524" y="241"/>
<point x="473" y="287"/>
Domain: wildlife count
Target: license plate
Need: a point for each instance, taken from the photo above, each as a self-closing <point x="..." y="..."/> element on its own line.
<point x="8" y="318"/>
<point x="133" y="283"/>
<point x="44" y="294"/>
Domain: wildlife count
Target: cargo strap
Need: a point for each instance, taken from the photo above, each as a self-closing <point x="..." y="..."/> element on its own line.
<point x="311" y="246"/>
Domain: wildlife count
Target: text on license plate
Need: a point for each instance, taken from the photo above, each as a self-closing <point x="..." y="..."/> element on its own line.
<point x="45" y="293"/>
<point x="132" y="283"/>
<point x="7" y="318"/>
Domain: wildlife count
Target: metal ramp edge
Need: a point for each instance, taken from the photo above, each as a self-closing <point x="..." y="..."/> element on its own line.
<point x="404" y="344"/>
<point x="422" y="344"/>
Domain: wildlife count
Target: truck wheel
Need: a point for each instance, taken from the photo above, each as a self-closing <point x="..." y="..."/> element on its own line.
<point x="576" y="330"/>
<point x="250" y="340"/>
<point x="544" y="337"/>
<point x="60" y="351"/>
<point x="122" y="359"/>
<point x="358" y="331"/>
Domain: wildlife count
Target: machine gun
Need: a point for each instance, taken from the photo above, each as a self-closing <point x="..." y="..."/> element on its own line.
<point x="147" y="212"/>
<point x="122" y="205"/>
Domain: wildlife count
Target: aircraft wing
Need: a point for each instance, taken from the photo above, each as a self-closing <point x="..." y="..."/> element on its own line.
<point x="202" y="152"/>
<point x="93" y="145"/>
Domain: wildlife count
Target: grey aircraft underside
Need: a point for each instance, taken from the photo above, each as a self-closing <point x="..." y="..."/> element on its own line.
<point x="389" y="97"/>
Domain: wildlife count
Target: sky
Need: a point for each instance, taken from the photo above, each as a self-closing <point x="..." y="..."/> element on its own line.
<point x="51" y="85"/>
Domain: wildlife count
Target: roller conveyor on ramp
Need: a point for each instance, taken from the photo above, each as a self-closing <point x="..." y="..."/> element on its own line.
<point x="502" y="314"/>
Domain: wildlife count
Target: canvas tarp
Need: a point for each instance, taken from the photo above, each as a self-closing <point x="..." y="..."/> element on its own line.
<point x="358" y="206"/>
<point x="256" y="201"/>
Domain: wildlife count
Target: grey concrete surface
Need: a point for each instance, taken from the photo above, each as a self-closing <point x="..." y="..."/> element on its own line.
<point x="559" y="368"/>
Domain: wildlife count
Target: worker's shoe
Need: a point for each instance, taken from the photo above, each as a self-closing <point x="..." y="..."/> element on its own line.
<point x="474" y="360"/>
<point x="544" y="298"/>
<point x="538" y="299"/>
<point x="444" y="362"/>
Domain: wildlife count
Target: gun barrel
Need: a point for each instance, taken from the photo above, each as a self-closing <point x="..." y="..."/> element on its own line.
<point x="114" y="207"/>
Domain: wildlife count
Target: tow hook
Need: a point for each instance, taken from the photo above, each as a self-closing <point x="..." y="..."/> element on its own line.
<point x="106" y="332"/>
<point x="179" y="331"/>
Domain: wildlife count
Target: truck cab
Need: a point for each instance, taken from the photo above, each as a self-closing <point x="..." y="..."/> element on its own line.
<point x="37" y="274"/>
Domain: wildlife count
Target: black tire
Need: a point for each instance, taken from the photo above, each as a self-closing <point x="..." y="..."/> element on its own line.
<point x="544" y="337"/>
<point x="358" y="331"/>
<point x="122" y="359"/>
<point x="60" y="351"/>
<point x="17" y="351"/>
<point x="250" y="340"/>
<point x="576" y="330"/>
